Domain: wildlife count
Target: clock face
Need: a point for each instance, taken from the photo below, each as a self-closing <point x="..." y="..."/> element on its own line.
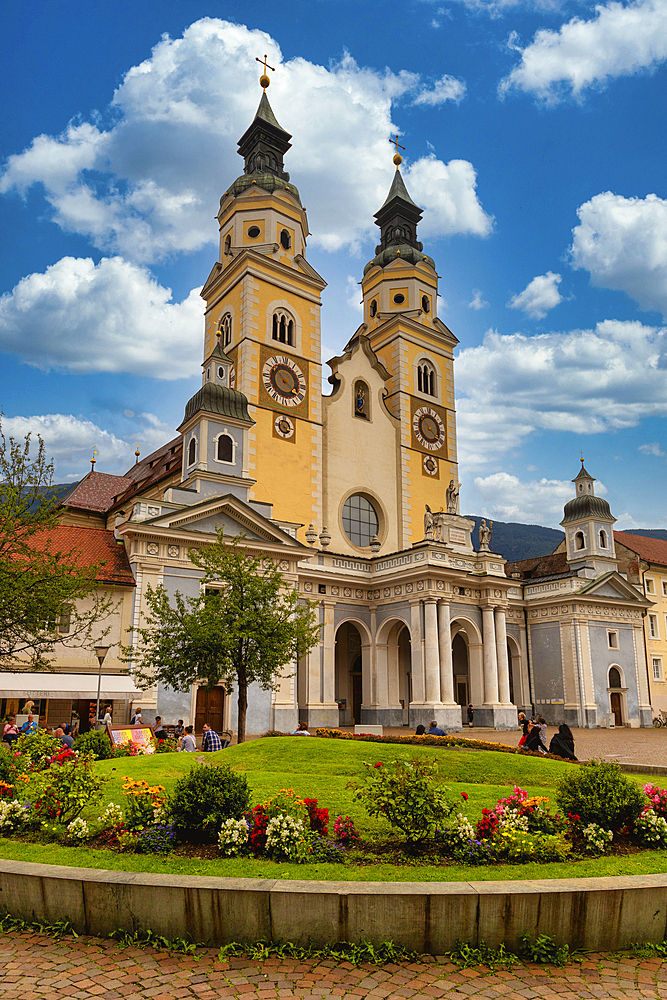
<point x="284" y="426"/>
<point x="284" y="381"/>
<point x="429" y="428"/>
<point x="430" y="465"/>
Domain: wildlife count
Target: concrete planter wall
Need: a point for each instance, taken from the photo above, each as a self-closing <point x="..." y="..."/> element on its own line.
<point x="594" y="913"/>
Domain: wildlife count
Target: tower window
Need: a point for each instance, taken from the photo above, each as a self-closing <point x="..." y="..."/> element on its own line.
<point x="226" y="330"/>
<point x="399" y="298"/>
<point x="360" y="520"/>
<point x="426" y="378"/>
<point x="192" y="451"/>
<point x="285" y="239"/>
<point x="283" y="328"/>
<point x="426" y="304"/>
<point x="228" y="243"/>
<point x="225" y="451"/>
<point x="373" y="308"/>
<point x="603" y="539"/>
<point x="221" y="374"/>
<point x="253" y="232"/>
<point x="208" y="374"/>
<point x="612" y="640"/>
<point x="579" y="540"/>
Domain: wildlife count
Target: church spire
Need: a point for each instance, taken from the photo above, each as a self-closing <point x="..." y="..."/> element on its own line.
<point x="265" y="142"/>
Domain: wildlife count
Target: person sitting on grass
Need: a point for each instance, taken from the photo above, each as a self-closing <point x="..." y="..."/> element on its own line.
<point x="435" y="730"/>
<point x="211" y="741"/>
<point x="301" y="730"/>
<point x="534" y="741"/>
<point x="562" y="743"/>
<point x="187" y="742"/>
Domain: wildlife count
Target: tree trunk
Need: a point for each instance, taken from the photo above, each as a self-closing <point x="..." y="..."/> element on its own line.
<point x="243" y="707"/>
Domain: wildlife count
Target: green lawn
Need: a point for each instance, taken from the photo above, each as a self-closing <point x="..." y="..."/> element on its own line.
<point x="318" y="768"/>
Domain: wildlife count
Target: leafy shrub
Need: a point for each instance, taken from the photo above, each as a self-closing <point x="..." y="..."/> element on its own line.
<point x="66" y="785"/>
<point x="651" y="829"/>
<point x="95" y="742"/>
<point x="36" y="751"/>
<point x="206" y="796"/>
<point x="520" y="846"/>
<point x="404" y="794"/>
<point x="8" y="766"/>
<point x="170" y="745"/>
<point x="600" y="793"/>
<point x="156" y="839"/>
<point x="324" y="850"/>
<point x="144" y="803"/>
<point x="233" y="836"/>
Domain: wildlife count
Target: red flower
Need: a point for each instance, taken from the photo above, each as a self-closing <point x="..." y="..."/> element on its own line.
<point x="378" y="765"/>
<point x="464" y="796"/>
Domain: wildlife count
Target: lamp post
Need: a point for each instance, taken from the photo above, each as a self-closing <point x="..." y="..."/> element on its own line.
<point x="100" y="653"/>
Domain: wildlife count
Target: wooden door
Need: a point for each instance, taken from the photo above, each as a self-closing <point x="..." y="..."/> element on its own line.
<point x="616" y="708"/>
<point x="210" y="709"/>
<point x="356" y="699"/>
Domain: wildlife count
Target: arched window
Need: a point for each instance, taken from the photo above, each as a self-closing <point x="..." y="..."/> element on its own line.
<point x="360" y="520"/>
<point x="226" y="330"/>
<point x="603" y="539"/>
<point x="373" y="308"/>
<point x="285" y="239"/>
<point x="192" y="451"/>
<point x="579" y="540"/>
<point x="228" y="243"/>
<point x="283" y="327"/>
<point x="426" y="304"/>
<point x="225" y="451"/>
<point x="426" y="378"/>
<point x="615" y="678"/>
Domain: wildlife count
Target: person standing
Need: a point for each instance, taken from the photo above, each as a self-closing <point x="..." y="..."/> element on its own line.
<point x="525" y="727"/>
<point x="211" y="741"/>
<point x="471" y="715"/>
<point x="107" y="720"/>
<point x="136" y="719"/>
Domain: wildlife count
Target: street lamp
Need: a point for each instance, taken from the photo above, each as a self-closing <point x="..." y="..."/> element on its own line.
<point x="100" y="653"/>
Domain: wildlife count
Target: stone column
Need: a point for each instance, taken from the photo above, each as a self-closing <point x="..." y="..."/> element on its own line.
<point x="503" y="663"/>
<point x="446" y="664"/>
<point x="431" y="655"/>
<point x="490" y="660"/>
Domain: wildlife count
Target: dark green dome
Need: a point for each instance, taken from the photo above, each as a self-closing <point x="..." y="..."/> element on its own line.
<point x="218" y="399"/>
<point x="586" y="506"/>
<point x="269" y="182"/>
<point x="403" y="250"/>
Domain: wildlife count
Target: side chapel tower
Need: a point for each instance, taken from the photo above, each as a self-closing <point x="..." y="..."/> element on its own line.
<point x="263" y="299"/>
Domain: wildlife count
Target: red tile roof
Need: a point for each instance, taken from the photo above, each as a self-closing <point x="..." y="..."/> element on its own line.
<point x="651" y="550"/>
<point x="554" y="564"/>
<point x="90" y="546"/>
<point x="160" y="464"/>
<point x="95" y="492"/>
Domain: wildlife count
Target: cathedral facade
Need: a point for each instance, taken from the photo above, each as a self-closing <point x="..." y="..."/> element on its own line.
<point x="354" y="495"/>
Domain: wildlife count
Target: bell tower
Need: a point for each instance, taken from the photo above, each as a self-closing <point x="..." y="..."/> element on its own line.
<point x="263" y="299"/>
<point x="400" y="303"/>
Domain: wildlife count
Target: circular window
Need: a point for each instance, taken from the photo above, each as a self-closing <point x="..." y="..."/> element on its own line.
<point x="374" y="308"/>
<point x="426" y="305"/>
<point x="399" y="298"/>
<point x="253" y="232"/>
<point x="285" y="239"/>
<point x="360" y="520"/>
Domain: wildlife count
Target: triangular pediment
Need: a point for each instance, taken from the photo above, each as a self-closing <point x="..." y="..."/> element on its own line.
<point x="613" y="586"/>
<point x="229" y="513"/>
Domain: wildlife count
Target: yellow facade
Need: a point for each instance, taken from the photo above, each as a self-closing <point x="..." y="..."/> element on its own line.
<point x="655" y="630"/>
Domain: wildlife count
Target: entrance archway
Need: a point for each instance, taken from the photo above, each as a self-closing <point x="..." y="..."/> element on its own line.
<point x="393" y="672"/>
<point x="467" y="663"/>
<point x="617" y="692"/>
<point x="349" y="680"/>
<point x="461" y="670"/>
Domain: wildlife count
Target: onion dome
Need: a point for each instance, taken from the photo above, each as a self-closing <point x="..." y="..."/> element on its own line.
<point x="219" y="400"/>
<point x="585" y="506"/>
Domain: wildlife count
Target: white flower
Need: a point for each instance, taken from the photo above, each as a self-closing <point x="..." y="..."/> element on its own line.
<point x="233" y="836"/>
<point x="286" y="835"/>
<point x="509" y="819"/>
<point x="459" y="830"/>
<point x="652" y="829"/>
<point x="78" y="829"/>
<point x="112" y="815"/>
<point x="597" y="838"/>
<point x="13" y="814"/>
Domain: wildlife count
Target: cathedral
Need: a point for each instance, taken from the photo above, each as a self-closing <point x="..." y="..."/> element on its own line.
<point x="354" y="495"/>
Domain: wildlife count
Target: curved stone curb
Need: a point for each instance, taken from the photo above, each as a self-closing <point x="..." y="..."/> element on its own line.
<point x="600" y="914"/>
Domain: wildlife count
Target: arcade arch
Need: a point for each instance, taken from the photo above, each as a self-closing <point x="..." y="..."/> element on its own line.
<point x="352" y="669"/>
<point x="467" y="663"/>
<point x="393" y="671"/>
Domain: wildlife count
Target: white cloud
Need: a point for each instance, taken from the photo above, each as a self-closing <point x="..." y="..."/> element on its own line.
<point x="447" y="192"/>
<point x="109" y="317"/>
<point x="582" y="381"/>
<point x="651" y="449"/>
<point x="539" y="296"/>
<point x="353" y="294"/>
<point x="70" y="440"/>
<point x="620" y="40"/>
<point x="623" y="243"/>
<point x="496" y="8"/>
<point x="477" y="301"/>
<point x="447" y="88"/>
<point x="506" y="498"/>
<point x="147" y="184"/>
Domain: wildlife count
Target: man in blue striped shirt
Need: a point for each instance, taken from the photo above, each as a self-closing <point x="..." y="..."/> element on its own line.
<point x="211" y="741"/>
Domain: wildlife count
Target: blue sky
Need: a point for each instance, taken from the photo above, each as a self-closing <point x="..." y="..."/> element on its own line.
<point x="535" y="143"/>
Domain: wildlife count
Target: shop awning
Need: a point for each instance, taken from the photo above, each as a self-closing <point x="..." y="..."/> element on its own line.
<point x="46" y="685"/>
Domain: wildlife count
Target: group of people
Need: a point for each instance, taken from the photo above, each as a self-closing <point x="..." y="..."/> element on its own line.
<point x="534" y="737"/>
<point x="11" y="732"/>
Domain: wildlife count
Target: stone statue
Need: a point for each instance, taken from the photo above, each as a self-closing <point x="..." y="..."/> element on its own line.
<point x="452" y="496"/>
<point x="361" y="401"/>
<point x="429" y="522"/>
<point x="440" y="531"/>
<point x="484" y="536"/>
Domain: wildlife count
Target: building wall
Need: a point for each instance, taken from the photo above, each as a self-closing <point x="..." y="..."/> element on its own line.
<point x="547" y="671"/>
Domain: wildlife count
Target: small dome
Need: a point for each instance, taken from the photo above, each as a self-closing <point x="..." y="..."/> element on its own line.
<point x="403" y="250"/>
<point x="218" y="399"/>
<point x="584" y="506"/>
<point x="268" y="182"/>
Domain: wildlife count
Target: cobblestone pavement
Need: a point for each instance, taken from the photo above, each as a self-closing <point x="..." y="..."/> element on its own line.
<point x="33" y="966"/>
<point x="630" y="746"/>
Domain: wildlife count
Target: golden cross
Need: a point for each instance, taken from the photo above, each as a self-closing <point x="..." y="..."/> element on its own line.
<point x="264" y="80"/>
<point x="396" y="143"/>
<point x="582" y="457"/>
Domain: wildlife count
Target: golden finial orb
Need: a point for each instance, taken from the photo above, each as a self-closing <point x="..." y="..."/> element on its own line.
<point x="264" y="80"/>
<point x="398" y="159"/>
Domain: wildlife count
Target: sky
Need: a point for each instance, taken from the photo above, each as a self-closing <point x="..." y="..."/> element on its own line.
<point x="535" y="143"/>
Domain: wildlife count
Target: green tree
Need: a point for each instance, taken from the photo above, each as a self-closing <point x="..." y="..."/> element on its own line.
<point x="41" y="589"/>
<point x="243" y="628"/>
